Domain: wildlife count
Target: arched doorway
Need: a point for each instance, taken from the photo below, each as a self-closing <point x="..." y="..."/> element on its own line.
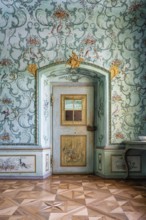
<point x="58" y="75"/>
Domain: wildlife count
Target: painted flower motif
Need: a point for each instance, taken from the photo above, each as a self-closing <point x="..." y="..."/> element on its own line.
<point x="116" y="98"/>
<point x="32" y="68"/>
<point x="89" y="40"/>
<point x="33" y="41"/>
<point x="119" y="135"/>
<point x="5" y="137"/>
<point x="6" y="101"/>
<point x="5" y="62"/>
<point x="117" y="62"/>
<point x="60" y="14"/>
<point x="135" y="6"/>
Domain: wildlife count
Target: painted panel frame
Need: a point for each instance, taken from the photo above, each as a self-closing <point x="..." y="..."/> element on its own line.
<point x="18" y="163"/>
<point x="73" y="150"/>
<point x="47" y="162"/>
<point x="82" y="97"/>
<point x="100" y="162"/>
<point x="118" y="163"/>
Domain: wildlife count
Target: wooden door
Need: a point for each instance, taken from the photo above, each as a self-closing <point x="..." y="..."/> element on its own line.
<point x="73" y="144"/>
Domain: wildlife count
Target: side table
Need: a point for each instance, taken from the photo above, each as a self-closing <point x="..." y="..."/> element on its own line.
<point x="132" y="145"/>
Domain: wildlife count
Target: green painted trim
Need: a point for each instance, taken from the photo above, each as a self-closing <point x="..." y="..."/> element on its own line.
<point x="61" y="66"/>
<point x="66" y="66"/>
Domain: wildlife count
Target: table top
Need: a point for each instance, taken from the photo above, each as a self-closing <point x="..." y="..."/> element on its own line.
<point x="135" y="142"/>
<point x="137" y="145"/>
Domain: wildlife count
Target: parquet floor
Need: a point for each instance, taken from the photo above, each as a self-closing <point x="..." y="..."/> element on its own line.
<point x="72" y="197"/>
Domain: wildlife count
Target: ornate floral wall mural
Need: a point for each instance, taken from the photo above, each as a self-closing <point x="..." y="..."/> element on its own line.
<point x="108" y="33"/>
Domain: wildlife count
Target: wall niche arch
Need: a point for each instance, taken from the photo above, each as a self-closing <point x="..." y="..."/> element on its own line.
<point x="60" y="73"/>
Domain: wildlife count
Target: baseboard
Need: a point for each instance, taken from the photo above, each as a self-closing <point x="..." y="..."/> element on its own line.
<point x="25" y="177"/>
<point x="120" y="176"/>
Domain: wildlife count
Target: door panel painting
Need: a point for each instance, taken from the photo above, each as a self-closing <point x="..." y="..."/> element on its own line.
<point x="73" y="150"/>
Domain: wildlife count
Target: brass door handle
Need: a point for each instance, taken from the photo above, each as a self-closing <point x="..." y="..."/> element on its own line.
<point x="91" y="128"/>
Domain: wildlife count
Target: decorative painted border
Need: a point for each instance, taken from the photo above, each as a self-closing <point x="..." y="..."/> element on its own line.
<point x="18" y="163"/>
<point x="118" y="163"/>
<point x="99" y="162"/>
<point x="47" y="162"/>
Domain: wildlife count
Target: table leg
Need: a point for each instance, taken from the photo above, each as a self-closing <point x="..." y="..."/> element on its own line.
<point x="126" y="163"/>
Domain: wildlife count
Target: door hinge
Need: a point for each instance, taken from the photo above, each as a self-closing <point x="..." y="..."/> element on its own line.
<point x="51" y="100"/>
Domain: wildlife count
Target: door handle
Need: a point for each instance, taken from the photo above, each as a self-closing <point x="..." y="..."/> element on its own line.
<point x="91" y="128"/>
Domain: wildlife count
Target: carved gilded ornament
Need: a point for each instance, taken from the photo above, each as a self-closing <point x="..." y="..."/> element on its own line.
<point x="32" y="68"/>
<point x="114" y="69"/>
<point x="74" y="61"/>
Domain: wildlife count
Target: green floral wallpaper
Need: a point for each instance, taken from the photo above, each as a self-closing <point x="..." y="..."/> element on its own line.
<point x="107" y="33"/>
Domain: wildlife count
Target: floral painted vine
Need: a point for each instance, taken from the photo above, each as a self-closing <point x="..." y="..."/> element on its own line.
<point x="35" y="33"/>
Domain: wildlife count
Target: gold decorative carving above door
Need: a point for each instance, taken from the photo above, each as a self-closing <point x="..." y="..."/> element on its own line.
<point x="73" y="109"/>
<point x="73" y="150"/>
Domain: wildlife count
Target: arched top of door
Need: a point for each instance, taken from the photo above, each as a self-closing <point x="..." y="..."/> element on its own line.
<point x="62" y="73"/>
<point x="86" y="69"/>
